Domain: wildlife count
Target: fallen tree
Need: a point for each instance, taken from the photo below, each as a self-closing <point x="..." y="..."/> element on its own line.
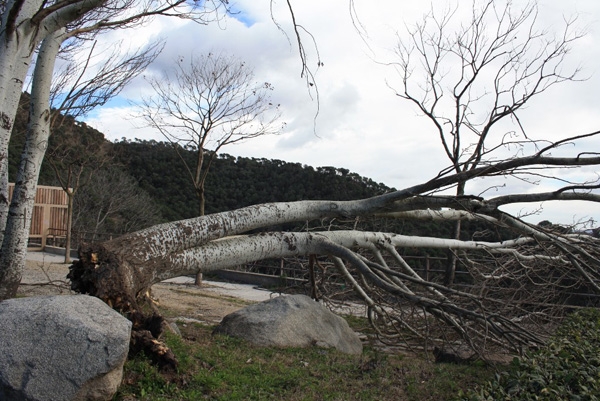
<point x="518" y="288"/>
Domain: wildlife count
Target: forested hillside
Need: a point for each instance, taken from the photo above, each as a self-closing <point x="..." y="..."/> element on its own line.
<point x="234" y="182"/>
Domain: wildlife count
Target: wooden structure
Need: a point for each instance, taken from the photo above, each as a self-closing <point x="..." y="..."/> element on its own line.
<point x="49" y="220"/>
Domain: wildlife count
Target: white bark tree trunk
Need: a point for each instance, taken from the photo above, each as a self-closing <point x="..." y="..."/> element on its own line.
<point x="25" y="23"/>
<point x="122" y="270"/>
<point x="117" y="278"/>
<point x="14" y="244"/>
<point x="179" y="235"/>
<point x="17" y="43"/>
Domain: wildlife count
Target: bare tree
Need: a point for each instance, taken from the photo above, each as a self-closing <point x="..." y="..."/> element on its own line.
<point x="468" y="78"/>
<point x="75" y="156"/>
<point x="206" y="104"/>
<point x="24" y="25"/>
<point x="112" y="206"/>
<point x="517" y="288"/>
<point x="84" y="94"/>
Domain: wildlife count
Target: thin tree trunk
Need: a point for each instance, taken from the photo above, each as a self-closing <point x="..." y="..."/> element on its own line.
<point x="70" y="196"/>
<point x="202" y="200"/>
<point x="452" y="259"/>
<point x="15" y="240"/>
<point x="200" y="191"/>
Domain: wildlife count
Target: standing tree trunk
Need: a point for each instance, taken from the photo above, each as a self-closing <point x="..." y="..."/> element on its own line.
<point x="14" y="244"/>
<point x="70" y="196"/>
<point x="452" y="258"/>
<point x="24" y="24"/>
<point x="16" y="47"/>
<point x="201" y="204"/>
<point x="20" y="34"/>
<point x="200" y="182"/>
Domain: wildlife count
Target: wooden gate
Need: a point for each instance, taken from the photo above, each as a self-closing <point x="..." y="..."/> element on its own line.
<point x="49" y="220"/>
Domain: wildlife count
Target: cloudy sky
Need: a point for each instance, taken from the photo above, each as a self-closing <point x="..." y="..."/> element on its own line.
<point x="361" y="124"/>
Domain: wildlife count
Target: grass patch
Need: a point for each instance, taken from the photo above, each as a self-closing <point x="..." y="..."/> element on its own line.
<point x="224" y="368"/>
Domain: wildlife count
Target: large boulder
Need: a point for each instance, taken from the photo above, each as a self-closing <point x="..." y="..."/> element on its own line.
<point x="61" y="348"/>
<point x="291" y="321"/>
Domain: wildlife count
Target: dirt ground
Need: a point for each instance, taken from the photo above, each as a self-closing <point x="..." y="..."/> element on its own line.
<point x="179" y="300"/>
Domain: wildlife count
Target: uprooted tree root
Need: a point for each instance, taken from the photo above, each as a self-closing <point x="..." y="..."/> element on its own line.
<point x="145" y="338"/>
<point x="99" y="273"/>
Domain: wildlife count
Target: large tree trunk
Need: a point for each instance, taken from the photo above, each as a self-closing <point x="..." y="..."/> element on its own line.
<point x="14" y="244"/>
<point x="17" y="43"/>
<point x="120" y="279"/>
<point x="122" y="269"/>
<point x="123" y="280"/>
<point x="500" y="308"/>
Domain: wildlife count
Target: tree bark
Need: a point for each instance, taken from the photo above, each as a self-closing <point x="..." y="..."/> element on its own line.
<point x="119" y="279"/>
<point x="14" y="244"/>
<point x="24" y="24"/>
<point x="17" y="43"/>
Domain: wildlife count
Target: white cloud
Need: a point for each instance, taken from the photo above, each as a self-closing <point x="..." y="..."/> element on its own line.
<point x="361" y="125"/>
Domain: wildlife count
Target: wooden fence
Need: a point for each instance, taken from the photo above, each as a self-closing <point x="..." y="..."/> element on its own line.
<point x="49" y="220"/>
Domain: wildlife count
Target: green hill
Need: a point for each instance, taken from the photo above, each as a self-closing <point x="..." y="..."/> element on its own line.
<point x="234" y="182"/>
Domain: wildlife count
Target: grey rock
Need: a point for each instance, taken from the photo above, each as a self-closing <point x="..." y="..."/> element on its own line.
<point x="59" y="348"/>
<point x="291" y="321"/>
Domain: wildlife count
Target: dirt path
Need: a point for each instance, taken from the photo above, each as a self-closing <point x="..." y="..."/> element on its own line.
<point x="178" y="299"/>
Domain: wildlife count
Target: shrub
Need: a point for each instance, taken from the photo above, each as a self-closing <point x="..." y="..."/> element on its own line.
<point x="567" y="369"/>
